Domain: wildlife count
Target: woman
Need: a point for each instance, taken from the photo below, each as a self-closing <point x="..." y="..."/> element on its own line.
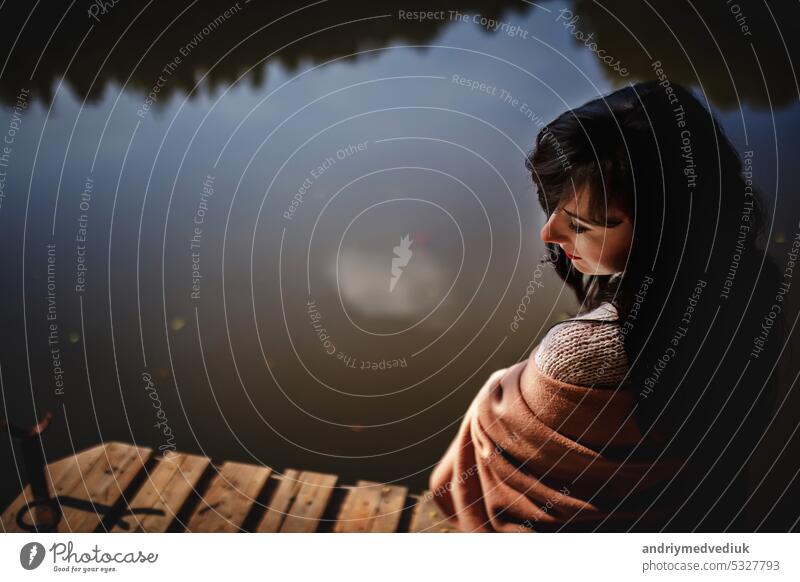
<point x="641" y="412"/>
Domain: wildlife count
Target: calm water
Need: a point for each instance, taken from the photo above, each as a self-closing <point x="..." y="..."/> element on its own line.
<point x="201" y="209"/>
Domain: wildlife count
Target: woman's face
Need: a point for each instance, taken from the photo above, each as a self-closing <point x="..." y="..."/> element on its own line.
<point x="593" y="249"/>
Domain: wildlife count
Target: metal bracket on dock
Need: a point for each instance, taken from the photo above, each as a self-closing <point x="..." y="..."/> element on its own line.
<point x="43" y="513"/>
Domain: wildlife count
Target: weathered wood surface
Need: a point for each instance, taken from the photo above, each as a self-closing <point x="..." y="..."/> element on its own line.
<point x="372" y="507"/>
<point x="428" y="518"/>
<point x="88" y="486"/>
<point x="228" y="501"/>
<point x="119" y="487"/>
<point x="165" y="490"/>
<point x="299" y="502"/>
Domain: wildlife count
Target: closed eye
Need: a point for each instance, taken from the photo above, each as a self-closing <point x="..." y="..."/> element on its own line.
<point x="578" y="229"/>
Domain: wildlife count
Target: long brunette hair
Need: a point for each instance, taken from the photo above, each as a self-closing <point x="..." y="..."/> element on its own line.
<point x="697" y="298"/>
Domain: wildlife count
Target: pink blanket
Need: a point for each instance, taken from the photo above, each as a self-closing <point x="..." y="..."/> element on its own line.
<point x="535" y="454"/>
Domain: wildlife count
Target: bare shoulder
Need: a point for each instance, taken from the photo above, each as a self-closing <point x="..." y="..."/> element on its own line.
<point x="583" y="352"/>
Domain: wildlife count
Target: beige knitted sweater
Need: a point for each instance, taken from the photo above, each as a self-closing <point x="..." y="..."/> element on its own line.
<point x="580" y="352"/>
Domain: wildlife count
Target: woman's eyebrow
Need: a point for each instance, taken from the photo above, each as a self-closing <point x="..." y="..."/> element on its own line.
<point x="575" y="216"/>
<point x="609" y="224"/>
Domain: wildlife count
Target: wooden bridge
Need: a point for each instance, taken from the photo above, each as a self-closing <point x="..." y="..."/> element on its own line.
<point x="118" y="487"/>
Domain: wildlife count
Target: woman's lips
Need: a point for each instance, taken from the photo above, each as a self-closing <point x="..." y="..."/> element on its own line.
<point x="571" y="257"/>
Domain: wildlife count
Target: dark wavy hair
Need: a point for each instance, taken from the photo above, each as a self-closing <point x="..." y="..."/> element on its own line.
<point x="696" y="288"/>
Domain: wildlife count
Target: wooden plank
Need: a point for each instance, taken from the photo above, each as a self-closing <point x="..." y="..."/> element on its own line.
<point x="281" y="500"/>
<point x="371" y="507"/>
<point x="229" y="499"/>
<point x="299" y="502"/>
<point x="162" y="495"/>
<point x="101" y="486"/>
<point x="427" y="517"/>
<point x="87" y="485"/>
<point x="63" y="475"/>
<point x="92" y="481"/>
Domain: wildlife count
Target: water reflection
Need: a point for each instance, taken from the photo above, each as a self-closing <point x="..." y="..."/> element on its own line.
<point x="131" y="43"/>
<point x="734" y="50"/>
<point x="738" y="53"/>
<point x="236" y="259"/>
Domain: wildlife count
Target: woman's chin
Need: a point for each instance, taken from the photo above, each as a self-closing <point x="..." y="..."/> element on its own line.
<point x="577" y="264"/>
<point x="580" y="266"/>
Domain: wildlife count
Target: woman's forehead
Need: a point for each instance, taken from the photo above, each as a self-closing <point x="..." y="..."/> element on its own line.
<point x="577" y="201"/>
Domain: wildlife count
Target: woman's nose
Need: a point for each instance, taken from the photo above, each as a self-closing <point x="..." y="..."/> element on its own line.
<point x="550" y="232"/>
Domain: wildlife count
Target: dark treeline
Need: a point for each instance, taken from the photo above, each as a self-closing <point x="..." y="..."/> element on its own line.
<point x="716" y="45"/>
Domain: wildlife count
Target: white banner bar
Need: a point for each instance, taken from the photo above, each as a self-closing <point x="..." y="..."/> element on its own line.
<point x="383" y="557"/>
